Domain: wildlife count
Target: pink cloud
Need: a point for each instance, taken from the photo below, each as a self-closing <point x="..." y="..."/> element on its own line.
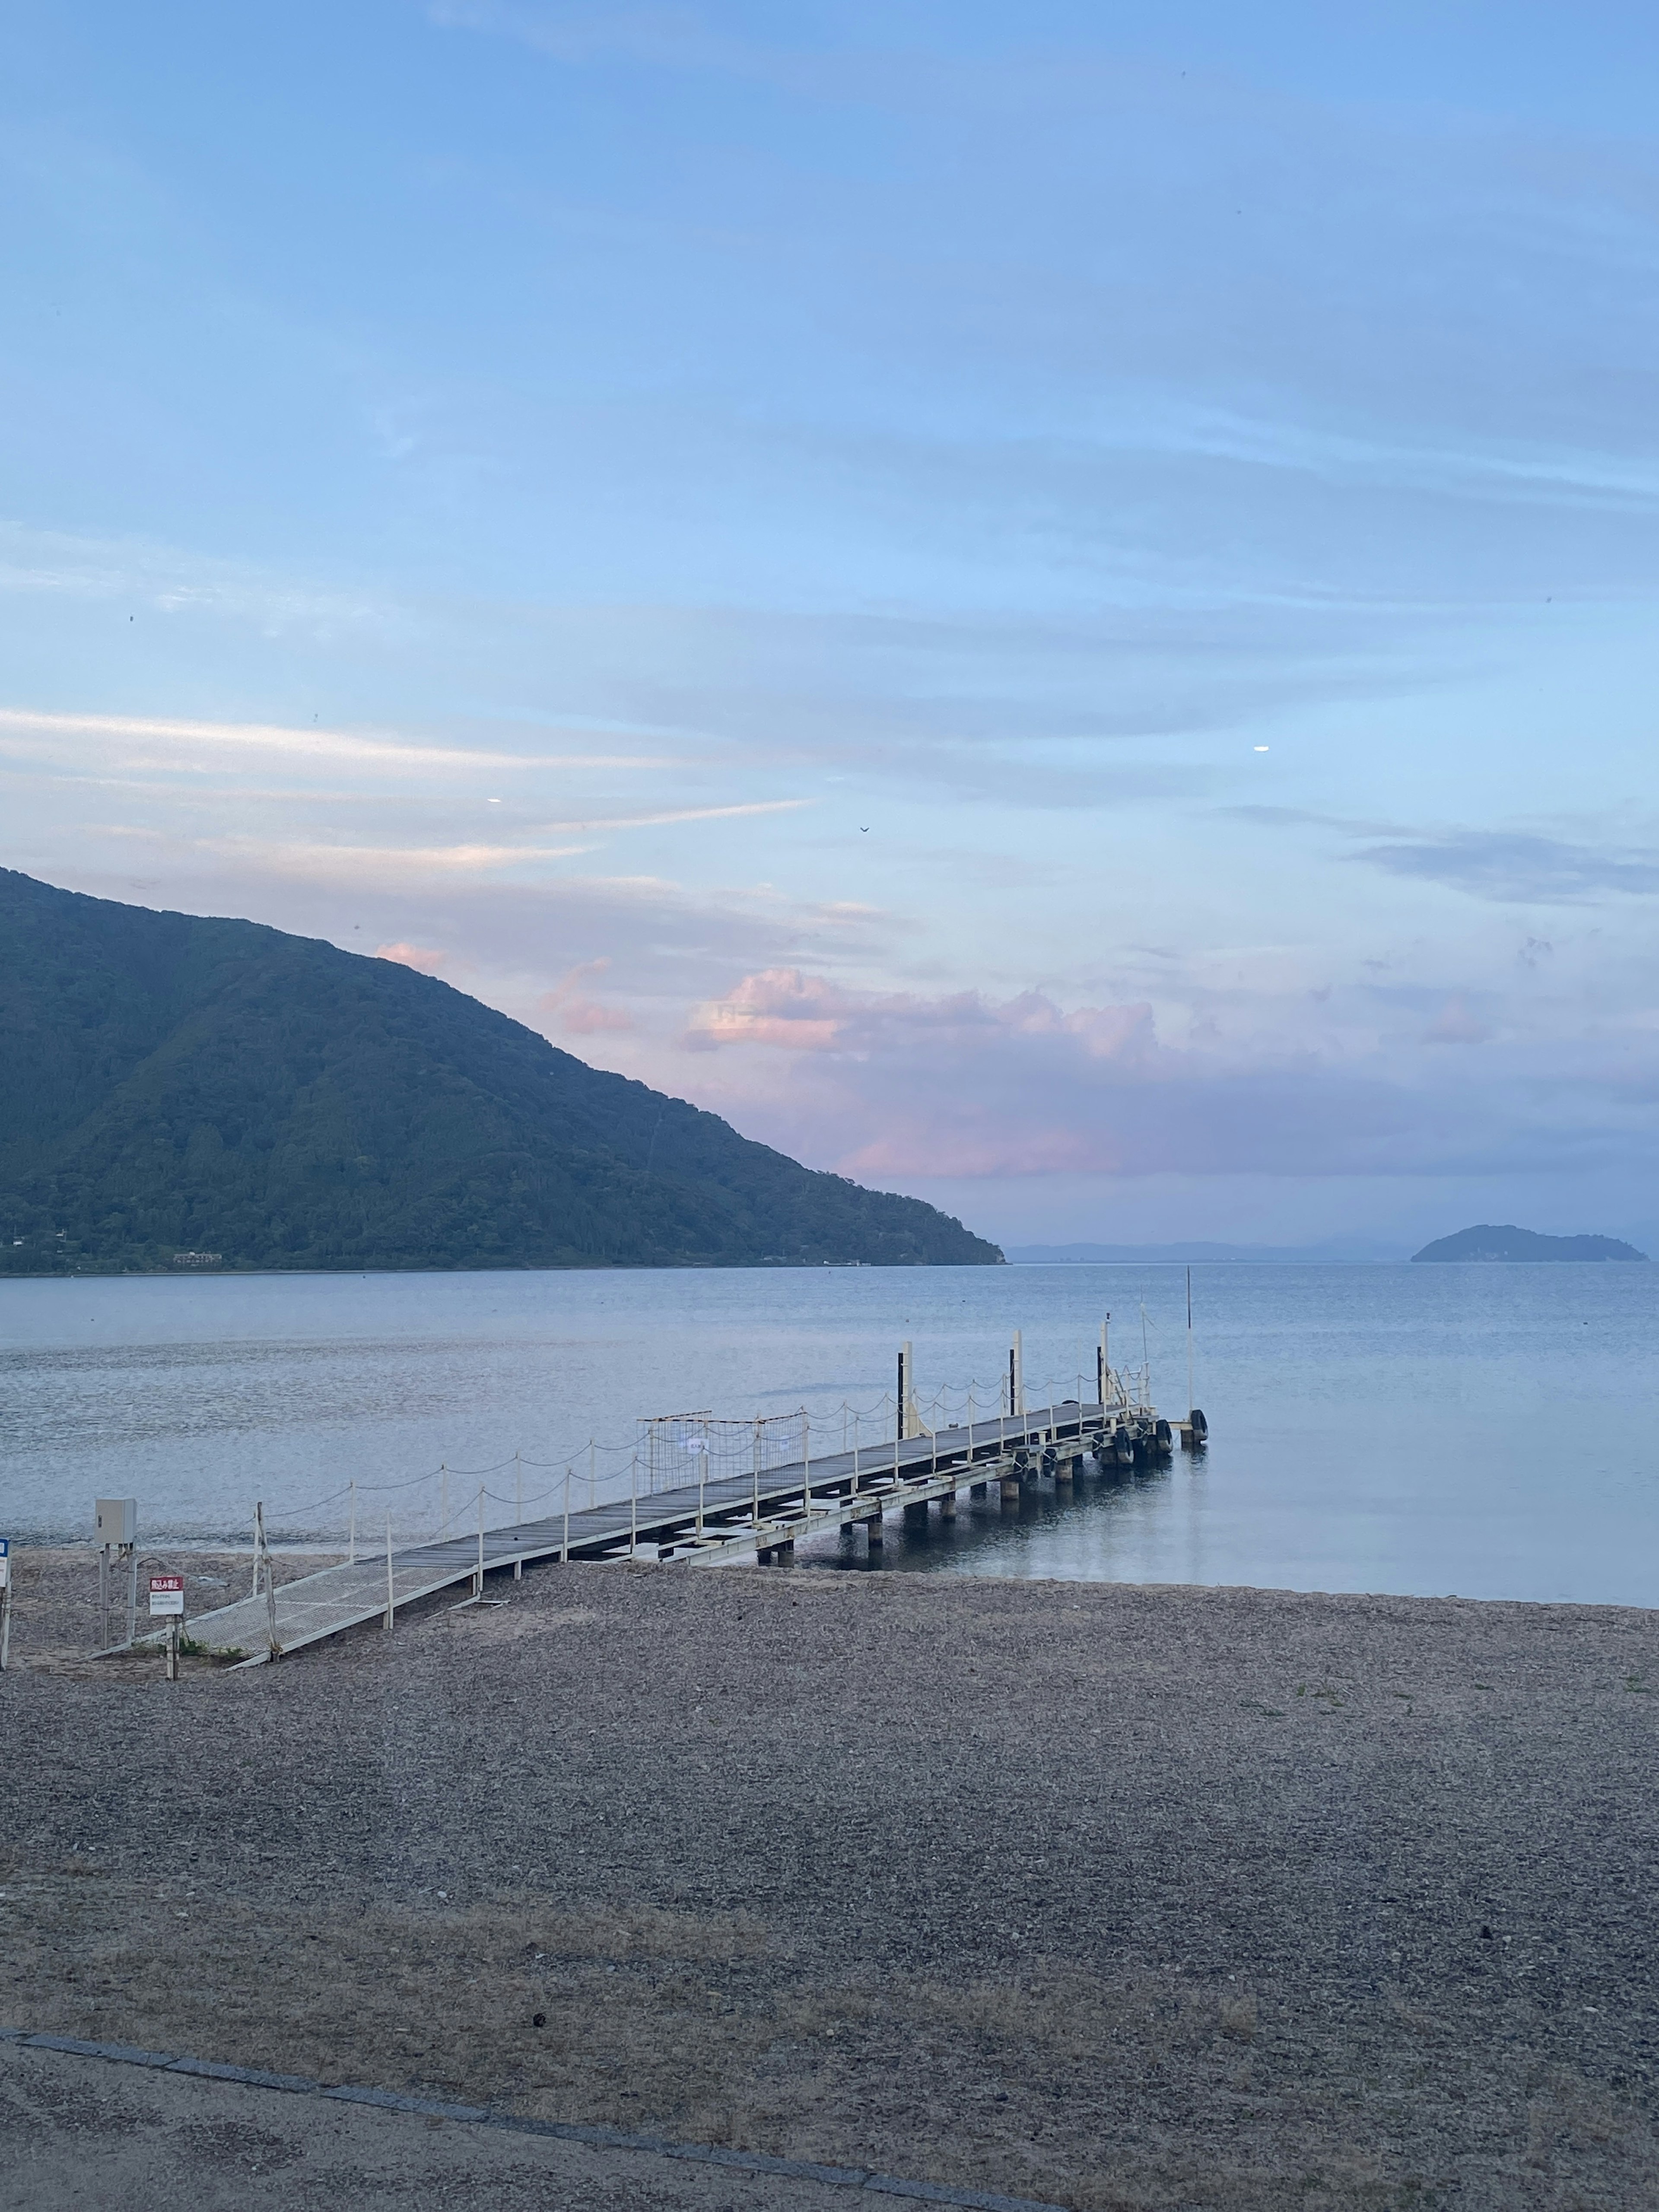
<point x="792" y="1012"/>
<point x="575" y="1015"/>
<point x="412" y="956"/>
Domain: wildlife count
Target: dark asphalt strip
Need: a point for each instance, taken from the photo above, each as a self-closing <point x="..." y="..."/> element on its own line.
<point x="392" y="2100"/>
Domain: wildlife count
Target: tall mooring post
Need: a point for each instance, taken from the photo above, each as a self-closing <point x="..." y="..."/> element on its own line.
<point x="909" y="1421"/>
<point x="1017" y="1376"/>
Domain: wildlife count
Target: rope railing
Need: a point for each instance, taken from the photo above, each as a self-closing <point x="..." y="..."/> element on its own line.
<point x="667" y="1453"/>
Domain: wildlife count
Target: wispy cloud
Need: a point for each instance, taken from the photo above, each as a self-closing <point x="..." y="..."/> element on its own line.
<point x="1516" y="867"/>
<point x="297" y="742"/>
<point x="680" y="814"/>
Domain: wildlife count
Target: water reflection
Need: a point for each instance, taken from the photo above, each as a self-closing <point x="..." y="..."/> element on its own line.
<point x="1050" y="1522"/>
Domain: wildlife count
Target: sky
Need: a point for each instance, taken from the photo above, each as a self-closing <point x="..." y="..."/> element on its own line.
<point x="1050" y="606"/>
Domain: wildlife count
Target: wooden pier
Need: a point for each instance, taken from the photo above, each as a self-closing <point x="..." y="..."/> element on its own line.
<point x="759" y="1517"/>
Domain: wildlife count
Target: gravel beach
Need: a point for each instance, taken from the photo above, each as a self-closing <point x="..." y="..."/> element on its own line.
<point x="1112" y="1896"/>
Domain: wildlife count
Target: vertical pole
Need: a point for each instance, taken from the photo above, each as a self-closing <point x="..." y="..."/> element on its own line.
<point x="259" y="1559"/>
<point x="908" y="1415"/>
<point x="855" y="1454"/>
<point x="1190" y="1392"/>
<point x="703" y="1482"/>
<point x="443" y="1497"/>
<point x="593" y="1474"/>
<point x="271" y="1593"/>
<point x="132" y="1593"/>
<point x="477" y="1579"/>
<point x="103" y="1598"/>
<point x="172" y="1650"/>
<point x="390" y="1598"/>
<point x="634" y="1508"/>
<point x="1016" y="1372"/>
<point x="756" y="1513"/>
<point x="805" y="1465"/>
<point x="351" y="1541"/>
<point x="5" y="1619"/>
<point x="517" y="1499"/>
<point x="564" y="1549"/>
<point x="254" y="1592"/>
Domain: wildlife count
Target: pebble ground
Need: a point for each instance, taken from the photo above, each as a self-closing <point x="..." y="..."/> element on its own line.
<point x="1112" y="1896"/>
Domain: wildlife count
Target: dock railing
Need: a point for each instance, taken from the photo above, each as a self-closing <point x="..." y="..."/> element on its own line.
<point x="667" y="1452"/>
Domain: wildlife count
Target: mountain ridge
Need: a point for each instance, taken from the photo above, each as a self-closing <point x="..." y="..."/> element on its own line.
<point x="213" y="1091"/>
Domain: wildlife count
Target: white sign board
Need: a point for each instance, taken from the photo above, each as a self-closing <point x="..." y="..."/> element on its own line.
<point x="5" y="1561"/>
<point x="166" y="1597"/>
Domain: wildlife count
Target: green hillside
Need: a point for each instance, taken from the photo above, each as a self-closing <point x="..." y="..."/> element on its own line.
<point x="170" y="1085"/>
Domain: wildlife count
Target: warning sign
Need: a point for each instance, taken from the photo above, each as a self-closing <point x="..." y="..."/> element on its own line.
<point x="167" y="1597"/>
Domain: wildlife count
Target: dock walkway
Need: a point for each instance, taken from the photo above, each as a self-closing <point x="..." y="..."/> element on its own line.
<point x="734" y="1518"/>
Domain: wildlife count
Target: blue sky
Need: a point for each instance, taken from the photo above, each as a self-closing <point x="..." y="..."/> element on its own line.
<point x="1050" y="606"/>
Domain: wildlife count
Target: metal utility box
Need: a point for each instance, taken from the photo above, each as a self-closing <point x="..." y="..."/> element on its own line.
<point x="118" y="1520"/>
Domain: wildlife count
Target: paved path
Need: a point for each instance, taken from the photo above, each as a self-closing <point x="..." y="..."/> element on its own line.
<point x="78" y="2135"/>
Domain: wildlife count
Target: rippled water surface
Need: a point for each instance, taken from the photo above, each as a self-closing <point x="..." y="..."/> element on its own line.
<point x="1483" y="1430"/>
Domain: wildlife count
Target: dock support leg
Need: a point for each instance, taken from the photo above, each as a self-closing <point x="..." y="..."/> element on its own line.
<point x="872" y="1529"/>
<point x="1009" y="1486"/>
<point x="947" y="1506"/>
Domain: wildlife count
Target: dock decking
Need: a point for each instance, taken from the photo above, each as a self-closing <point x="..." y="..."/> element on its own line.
<point x="764" y="1514"/>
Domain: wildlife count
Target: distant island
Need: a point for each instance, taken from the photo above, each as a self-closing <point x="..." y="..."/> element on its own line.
<point x="183" y="1094"/>
<point x="1508" y="1242"/>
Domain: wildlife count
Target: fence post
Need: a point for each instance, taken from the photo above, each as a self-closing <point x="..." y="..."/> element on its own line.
<point x="270" y="1586"/>
<point x="477" y="1579"/>
<point x="564" y="1553"/>
<point x="351" y="1547"/>
<point x="633" y="1507"/>
<point x="443" y="1497"/>
<point x="390" y="1594"/>
<point x="805" y="1465"/>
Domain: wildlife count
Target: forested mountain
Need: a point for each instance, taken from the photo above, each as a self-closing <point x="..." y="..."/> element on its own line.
<point x="171" y="1085"/>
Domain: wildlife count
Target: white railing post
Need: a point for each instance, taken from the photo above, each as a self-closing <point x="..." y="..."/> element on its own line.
<point x="351" y="1539"/>
<point x="564" y="1553"/>
<point x="390" y="1591"/>
<point x="477" y="1579"/>
<point x="634" y="1508"/>
<point x="805" y="1465"/>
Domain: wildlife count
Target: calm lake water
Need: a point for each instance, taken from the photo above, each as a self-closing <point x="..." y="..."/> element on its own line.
<point x="1486" y="1430"/>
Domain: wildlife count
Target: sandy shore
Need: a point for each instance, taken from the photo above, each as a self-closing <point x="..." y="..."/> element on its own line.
<point x="1112" y="1896"/>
